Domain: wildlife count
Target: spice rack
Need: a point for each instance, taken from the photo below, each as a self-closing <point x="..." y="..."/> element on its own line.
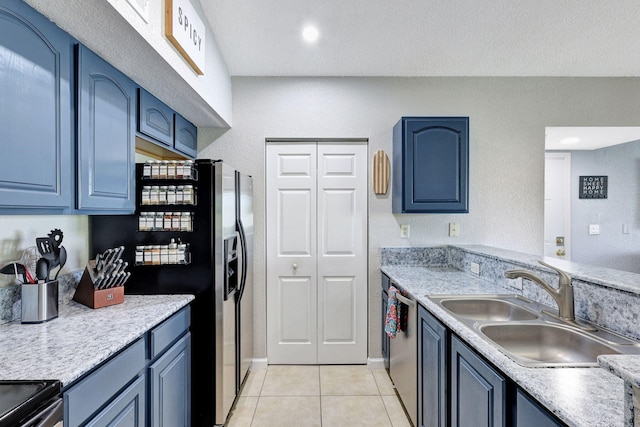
<point x="166" y="204"/>
<point x="173" y="253"/>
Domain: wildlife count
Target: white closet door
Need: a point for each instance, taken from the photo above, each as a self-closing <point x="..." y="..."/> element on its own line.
<point x="316" y="253"/>
<point x="342" y="253"/>
<point x="292" y="327"/>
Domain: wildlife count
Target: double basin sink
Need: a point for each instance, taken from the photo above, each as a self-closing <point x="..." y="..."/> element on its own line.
<point x="530" y="335"/>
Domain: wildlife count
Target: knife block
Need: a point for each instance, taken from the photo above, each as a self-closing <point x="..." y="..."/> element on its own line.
<point x="86" y="293"/>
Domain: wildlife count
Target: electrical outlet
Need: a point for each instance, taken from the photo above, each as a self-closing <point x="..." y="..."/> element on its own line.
<point x="594" y="228"/>
<point x="475" y="268"/>
<point x="516" y="283"/>
<point x="454" y="229"/>
<point x="404" y="231"/>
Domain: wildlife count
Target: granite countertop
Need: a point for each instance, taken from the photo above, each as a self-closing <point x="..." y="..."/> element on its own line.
<point x="80" y="338"/>
<point x="577" y="396"/>
<point x="625" y="366"/>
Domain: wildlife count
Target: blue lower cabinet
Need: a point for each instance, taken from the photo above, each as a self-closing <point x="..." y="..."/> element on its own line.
<point x="127" y="409"/>
<point x="530" y="414"/>
<point x="478" y="392"/>
<point x="170" y="385"/>
<point x="146" y="384"/>
<point x="432" y="371"/>
<point x="106" y="136"/>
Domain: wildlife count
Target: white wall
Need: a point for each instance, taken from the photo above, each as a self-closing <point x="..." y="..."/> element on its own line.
<point x="611" y="248"/>
<point x="18" y="232"/>
<point x="507" y="121"/>
<point x="115" y="31"/>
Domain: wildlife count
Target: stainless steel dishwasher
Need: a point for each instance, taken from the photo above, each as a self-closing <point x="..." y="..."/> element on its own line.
<point x="404" y="358"/>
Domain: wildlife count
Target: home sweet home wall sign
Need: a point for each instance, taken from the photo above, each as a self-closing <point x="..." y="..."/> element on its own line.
<point x="593" y="187"/>
<point x="186" y="31"/>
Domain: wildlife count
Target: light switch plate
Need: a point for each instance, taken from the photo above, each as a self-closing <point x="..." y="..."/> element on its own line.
<point x="454" y="229"/>
<point x="404" y="231"/>
<point x="475" y="268"/>
<point x="516" y="283"/>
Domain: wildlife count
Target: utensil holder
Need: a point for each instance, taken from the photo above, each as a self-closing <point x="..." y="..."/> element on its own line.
<point x="39" y="302"/>
<point x="88" y="295"/>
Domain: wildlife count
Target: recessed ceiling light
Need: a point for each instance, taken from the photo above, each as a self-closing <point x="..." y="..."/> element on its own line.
<point x="310" y="33"/>
<point x="570" y="140"/>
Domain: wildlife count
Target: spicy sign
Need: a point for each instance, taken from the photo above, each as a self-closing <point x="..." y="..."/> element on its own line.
<point x="186" y="31"/>
<point x="593" y="187"/>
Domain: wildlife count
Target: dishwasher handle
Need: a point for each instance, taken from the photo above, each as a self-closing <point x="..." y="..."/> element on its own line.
<point x="405" y="300"/>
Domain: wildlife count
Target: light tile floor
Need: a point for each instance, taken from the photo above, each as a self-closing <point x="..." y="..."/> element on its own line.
<point x="327" y="396"/>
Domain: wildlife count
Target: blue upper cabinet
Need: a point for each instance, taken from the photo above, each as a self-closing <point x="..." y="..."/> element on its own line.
<point x="431" y="165"/>
<point x="186" y="136"/>
<point x="35" y="110"/>
<point x="155" y="118"/>
<point x="106" y="136"/>
<point x="165" y="127"/>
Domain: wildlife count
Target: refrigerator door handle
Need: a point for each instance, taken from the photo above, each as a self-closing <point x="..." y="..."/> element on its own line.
<point x="243" y="244"/>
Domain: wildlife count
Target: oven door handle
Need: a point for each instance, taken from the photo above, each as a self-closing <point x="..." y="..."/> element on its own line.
<point x="405" y="300"/>
<point x="48" y="417"/>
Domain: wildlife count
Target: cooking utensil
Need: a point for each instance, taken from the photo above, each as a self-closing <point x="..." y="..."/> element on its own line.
<point x="29" y="259"/>
<point x="42" y="269"/>
<point x="13" y="269"/>
<point x="62" y="260"/>
<point x="18" y="269"/>
<point x="43" y="245"/>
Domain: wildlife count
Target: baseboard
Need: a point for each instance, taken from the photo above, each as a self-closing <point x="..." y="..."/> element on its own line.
<point x="375" y="363"/>
<point x="259" y="364"/>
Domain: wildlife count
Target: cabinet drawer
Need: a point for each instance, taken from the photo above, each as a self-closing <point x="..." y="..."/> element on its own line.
<point x="169" y="331"/>
<point x="83" y="399"/>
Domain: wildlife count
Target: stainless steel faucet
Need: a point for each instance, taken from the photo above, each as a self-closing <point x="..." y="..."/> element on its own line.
<point x="563" y="294"/>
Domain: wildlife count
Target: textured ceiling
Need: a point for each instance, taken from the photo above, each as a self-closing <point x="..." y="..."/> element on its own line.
<point x="429" y="37"/>
<point x="589" y="138"/>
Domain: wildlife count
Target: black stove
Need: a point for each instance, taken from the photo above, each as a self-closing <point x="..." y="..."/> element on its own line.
<point x="20" y="400"/>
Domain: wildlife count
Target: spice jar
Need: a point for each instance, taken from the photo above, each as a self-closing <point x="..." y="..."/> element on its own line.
<point x="154" y="196"/>
<point x="171" y="195"/>
<point x="139" y="255"/>
<point x="171" y="169"/>
<point x="146" y="170"/>
<point x="173" y="252"/>
<point x="155" y="255"/>
<point x="186" y="222"/>
<point x="145" y="195"/>
<point x="155" y="169"/>
<point x="164" y="166"/>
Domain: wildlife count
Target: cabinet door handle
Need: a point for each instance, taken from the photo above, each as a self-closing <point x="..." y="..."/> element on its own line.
<point x="294" y="266"/>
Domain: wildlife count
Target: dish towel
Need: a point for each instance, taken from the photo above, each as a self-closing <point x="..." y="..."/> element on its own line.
<point x="392" y="318"/>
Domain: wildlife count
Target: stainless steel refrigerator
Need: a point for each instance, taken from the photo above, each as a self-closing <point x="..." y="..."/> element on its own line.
<point x="218" y="272"/>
